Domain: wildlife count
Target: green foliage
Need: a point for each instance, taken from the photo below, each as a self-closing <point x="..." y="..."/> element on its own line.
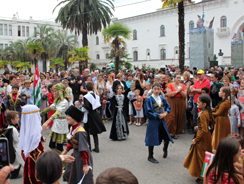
<point x="172" y="3"/>
<point x="3" y="64"/>
<point x="93" y="66"/>
<point x="56" y="62"/>
<point x="23" y="66"/>
<point x="79" y="54"/>
<point x="35" y="48"/>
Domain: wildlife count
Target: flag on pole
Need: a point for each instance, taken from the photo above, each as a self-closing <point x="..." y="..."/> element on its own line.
<point x="241" y="33"/>
<point x="203" y="14"/>
<point x="37" y="88"/>
<point x="207" y="161"/>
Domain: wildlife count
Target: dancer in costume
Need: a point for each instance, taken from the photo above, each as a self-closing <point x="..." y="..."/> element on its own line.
<point x="93" y="121"/>
<point x="119" y="129"/>
<point x="156" y="108"/>
<point x="30" y="142"/>
<point x="202" y="142"/>
<point x="78" y="142"/>
<point x="59" y="128"/>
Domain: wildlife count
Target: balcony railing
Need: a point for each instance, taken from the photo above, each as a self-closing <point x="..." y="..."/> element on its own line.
<point x="223" y="31"/>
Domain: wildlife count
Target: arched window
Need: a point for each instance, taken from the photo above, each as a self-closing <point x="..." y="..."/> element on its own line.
<point x="135" y="35"/>
<point x="163" y="54"/>
<point x="97" y="40"/>
<point x="97" y="56"/>
<point x="135" y="56"/>
<point x="107" y="55"/>
<point x="223" y="21"/>
<point x="162" y="30"/>
<point x="191" y="25"/>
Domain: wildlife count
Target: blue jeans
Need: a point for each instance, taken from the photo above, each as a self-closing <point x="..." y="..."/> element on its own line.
<point x="195" y="112"/>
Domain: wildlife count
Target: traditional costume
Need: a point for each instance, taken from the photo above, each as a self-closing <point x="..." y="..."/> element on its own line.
<point x="222" y="126"/>
<point x="195" y="158"/>
<point x="78" y="142"/>
<point x="59" y="128"/>
<point x="157" y="129"/>
<point x="30" y="141"/>
<point x="119" y="129"/>
<point x="93" y="121"/>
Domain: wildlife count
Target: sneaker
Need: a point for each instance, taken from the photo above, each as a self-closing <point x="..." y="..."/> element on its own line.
<point x="153" y="160"/>
<point x="103" y="121"/>
<point x="139" y="124"/>
<point x="106" y="121"/>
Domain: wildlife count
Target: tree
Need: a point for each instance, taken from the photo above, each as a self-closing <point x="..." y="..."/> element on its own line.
<point x="181" y="21"/>
<point x="56" y="62"/>
<point x="93" y="66"/>
<point x="34" y="49"/>
<point x="117" y="32"/>
<point x="44" y="35"/>
<point x="62" y="43"/>
<point x="85" y="16"/>
<point x="79" y="54"/>
<point x="4" y="64"/>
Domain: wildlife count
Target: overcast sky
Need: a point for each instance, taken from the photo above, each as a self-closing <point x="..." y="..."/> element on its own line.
<point x="42" y="9"/>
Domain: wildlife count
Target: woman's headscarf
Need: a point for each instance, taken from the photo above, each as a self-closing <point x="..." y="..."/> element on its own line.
<point x="62" y="93"/>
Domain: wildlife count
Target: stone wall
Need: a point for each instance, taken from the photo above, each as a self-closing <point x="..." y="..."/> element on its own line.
<point x="237" y="54"/>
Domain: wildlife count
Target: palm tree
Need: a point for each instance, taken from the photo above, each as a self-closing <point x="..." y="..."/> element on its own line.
<point x="181" y="21"/>
<point x="64" y="42"/>
<point x="23" y="55"/>
<point x="79" y="54"/>
<point x="56" y="62"/>
<point x="34" y="49"/>
<point x="44" y="35"/>
<point x="86" y="16"/>
<point x="117" y="32"/>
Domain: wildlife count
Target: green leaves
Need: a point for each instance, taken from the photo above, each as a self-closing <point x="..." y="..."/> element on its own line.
<point x="35" y="48"/>
<point x="57" y="61"/>
<point x="79" y="54"/>
<point x="3" y="64"/>
<point x="172" y="3"/>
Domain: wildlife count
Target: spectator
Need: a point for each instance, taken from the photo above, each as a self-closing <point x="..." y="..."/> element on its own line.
<point x="99" y="85"/>
<point x="75" y="84"/>
<point x="215" y="88"/>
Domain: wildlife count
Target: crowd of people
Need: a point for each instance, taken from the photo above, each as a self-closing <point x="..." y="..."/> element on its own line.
<point x="209" y="104"/>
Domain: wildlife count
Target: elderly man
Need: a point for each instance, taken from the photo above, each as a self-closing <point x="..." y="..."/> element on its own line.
<point x="94" y="79"/>
<point x="86" y="72"/>
<point x="199" y="84"/>
<point x="75" y="83"/>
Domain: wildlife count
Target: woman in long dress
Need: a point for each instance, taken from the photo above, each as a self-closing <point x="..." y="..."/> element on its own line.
<point x="176" y="98"/>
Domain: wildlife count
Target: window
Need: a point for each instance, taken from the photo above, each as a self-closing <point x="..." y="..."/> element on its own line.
<point x="134" y="35"/>
<point x="97" y="40"/>
<point x="35" y="31"/>
<point x="23" y="31"/>
<point x="162" y="30"/>
<point x="5" y="30"/>
<point x="19" y="30"/>
<point x="135" y="56"/>
<point x="27" y="31"/>
<point x="1" y="46"/>
<point x="163" y="54"/>
<point x="5" y="46"/>
<point x="107" y="55"/>
<point x="10" y="30"/>
<point x="223" y="21"/>
<point x="1" y="29"/>
<point x="191" y="25"/>
<point x="97" y="56"/>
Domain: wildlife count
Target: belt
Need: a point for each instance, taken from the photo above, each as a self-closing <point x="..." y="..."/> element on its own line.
<point x="61" y="117"/>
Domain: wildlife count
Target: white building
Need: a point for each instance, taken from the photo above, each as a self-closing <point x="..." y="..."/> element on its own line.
<point x="155" y="35"/>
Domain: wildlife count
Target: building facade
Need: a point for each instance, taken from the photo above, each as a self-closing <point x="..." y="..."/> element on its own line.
<point x="155" y="35"/>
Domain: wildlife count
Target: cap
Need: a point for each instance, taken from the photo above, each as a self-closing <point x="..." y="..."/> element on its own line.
<point x="74" y="113"/>
<point x="200" y="72"/>
<point x="27" y="81"/>
<point x="151" y="77"/>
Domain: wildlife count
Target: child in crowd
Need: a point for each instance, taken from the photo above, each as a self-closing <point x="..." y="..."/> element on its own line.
<point x="189" y="112"/>
<point x="202" y="142"/>
<point x="205" y="91"/>
<point x="103" y="101"/>
<point x="146" y="95"/>
<point x="116" y="175"/>
<point x="138" y="106"/>
<point x="15" y="101"/>
<point x="156" y="108"/>
<point x="12" y="117"/>
<point x="51" y="99"/>
<point x="234" y="93"/>
<point x="222" y="169"/>
<point x="234" y="116"/>
<point x="28" y="91"/>
<point x="220" y="113"/>
<point x="78" y="142"/>
<point x="130" y="96"/>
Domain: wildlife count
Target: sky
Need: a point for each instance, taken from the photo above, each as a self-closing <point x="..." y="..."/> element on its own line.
<point x="43" y="9"/>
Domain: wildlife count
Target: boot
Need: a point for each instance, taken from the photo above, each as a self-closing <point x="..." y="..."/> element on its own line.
<point x="89" y="142"/>
<point x="95" y="137"/>
<point x="150" y="156"/>
<point x="165" y="149"/>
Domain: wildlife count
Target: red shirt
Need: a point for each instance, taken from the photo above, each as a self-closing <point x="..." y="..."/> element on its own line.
<point x="198" y="85"/>
<point x="170" y="85"/>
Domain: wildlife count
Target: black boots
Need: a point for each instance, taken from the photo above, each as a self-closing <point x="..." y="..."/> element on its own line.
<point x="95" y="137"/>
<point x="165" y="149"/>
<point x="150" y="156"/>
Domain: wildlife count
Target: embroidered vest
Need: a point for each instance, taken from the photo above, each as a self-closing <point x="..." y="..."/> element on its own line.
<point x="75" y="142"/>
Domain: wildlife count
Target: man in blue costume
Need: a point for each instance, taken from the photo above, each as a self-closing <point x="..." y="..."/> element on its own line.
<point x="156" y="108"/>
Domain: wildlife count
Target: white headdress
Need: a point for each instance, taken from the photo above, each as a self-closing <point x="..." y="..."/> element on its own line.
<point x="30" y="130"/>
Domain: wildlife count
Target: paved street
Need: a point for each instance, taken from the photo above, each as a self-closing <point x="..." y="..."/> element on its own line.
<point x="132" y="154"/>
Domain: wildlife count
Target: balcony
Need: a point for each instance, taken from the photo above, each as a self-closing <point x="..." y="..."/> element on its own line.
<point x="105" y="45"/>
<point x="223" y="31"/>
